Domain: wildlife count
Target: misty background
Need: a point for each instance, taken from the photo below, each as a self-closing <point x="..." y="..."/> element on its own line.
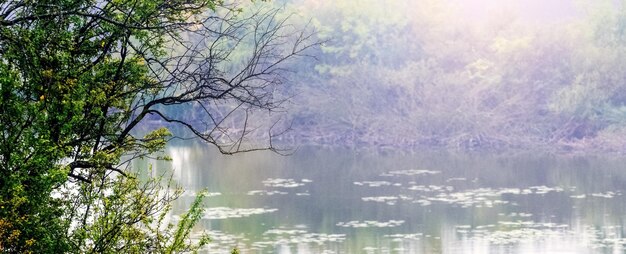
<point x="470" y="75"/>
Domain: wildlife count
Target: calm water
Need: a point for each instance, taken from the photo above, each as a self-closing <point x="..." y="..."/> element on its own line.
<point x="320" y="200"/>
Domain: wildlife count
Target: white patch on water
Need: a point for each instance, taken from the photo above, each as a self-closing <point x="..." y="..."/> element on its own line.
<point x="404" y="237"/>
<point x="265" y="193"/>
<point x="513" y="232"/>
<point x="410" y="172"/>
<point x="544" y="189"/>
<point x="482" y="197"/>
<point x="370" y="223"/>
<point x="373" y="183"/>
<point x="289" y="236"/>
<point x="431" y="188"/>
<point x="284" y="183"/>
<point x="382" y="199"/>
<point x="608" y="194"/>
<point x="217" y="213"/>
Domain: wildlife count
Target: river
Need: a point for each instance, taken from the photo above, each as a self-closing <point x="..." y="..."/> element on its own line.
<point x="321" y="200"/>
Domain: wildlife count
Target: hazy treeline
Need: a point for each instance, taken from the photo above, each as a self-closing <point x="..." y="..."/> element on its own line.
<point x="421" y="73"/>
<point x="426" y="74"/>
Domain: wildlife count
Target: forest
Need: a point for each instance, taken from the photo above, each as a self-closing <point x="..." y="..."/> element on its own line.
<point x="89" y="87"/>
<point x="434" y="74"/>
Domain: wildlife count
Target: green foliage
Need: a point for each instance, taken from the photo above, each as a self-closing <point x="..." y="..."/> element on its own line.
<point x="364" y="33"/>
<point x="77" y="77"/>
<point x="132" y="217"/>
<point x="188" y="220"/>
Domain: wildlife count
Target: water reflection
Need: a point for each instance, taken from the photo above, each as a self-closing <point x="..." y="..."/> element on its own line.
<point x="342" y="201"/>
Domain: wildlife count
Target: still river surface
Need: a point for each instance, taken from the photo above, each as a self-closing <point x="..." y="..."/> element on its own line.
<point x="322" y="200"/>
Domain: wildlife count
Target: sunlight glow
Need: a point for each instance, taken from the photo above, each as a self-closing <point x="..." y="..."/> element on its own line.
<point x="528" y="10"/>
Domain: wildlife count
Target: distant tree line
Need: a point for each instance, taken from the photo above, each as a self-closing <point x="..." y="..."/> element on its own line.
<point x="418" y="74"/>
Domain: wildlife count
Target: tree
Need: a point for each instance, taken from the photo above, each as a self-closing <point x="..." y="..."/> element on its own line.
<point x="79" y="78"/>
<point x="424" y="73"/>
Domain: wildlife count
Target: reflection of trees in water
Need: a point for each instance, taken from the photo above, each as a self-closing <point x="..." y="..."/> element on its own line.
<point x="531" y="196"/>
